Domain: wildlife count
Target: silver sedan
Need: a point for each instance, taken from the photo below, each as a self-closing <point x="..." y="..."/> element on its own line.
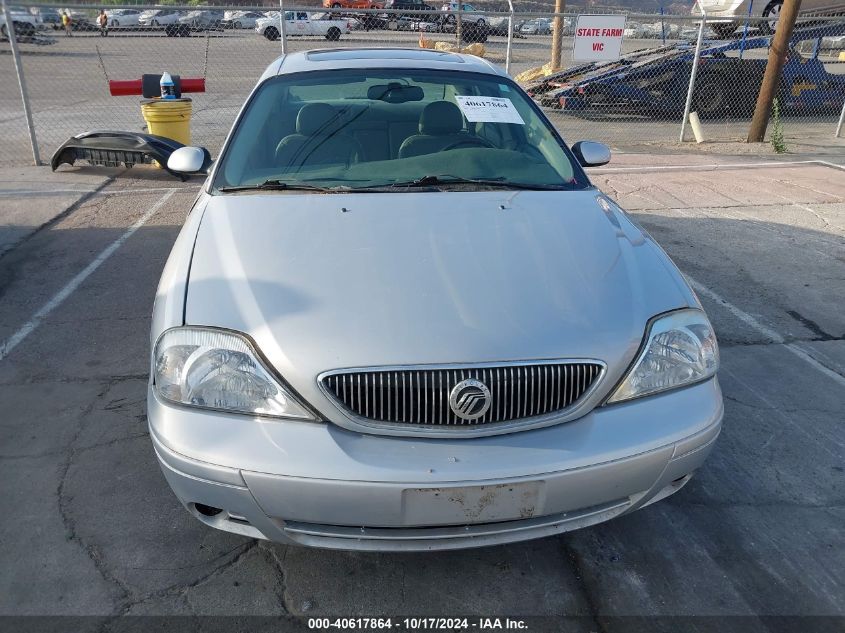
<point x="400" y="317"/>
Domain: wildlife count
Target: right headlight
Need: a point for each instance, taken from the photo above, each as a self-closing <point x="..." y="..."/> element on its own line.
<point x="210" y="368"/>
<point x="680" y="349"/>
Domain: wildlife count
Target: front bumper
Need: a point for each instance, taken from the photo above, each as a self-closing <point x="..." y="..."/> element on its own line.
<point x="320" y="485"/>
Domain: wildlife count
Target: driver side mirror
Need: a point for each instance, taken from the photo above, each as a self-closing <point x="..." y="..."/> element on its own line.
<point x="591" y="154"/>
<point x="189" y="160"/>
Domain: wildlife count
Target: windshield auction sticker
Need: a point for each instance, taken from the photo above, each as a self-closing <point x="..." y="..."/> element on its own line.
<point x="489" y="110"/>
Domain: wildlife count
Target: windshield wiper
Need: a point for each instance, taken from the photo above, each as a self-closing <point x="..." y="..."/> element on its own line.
<point x="432" y="181"/>
<point x="276" y="185"/>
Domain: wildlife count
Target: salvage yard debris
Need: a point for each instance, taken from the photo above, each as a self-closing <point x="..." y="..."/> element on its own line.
<point x="476" y="49"/>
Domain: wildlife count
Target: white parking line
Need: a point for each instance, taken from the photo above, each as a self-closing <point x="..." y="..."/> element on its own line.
<point x="766" y="331"/>
<point x="712" y="166"/>
<point x="742" y="315"/>
<point x="27" y="328"/>
<point x="827" y="371"/>
<point x="13" y="193"/>
<point x="829" y="164"/>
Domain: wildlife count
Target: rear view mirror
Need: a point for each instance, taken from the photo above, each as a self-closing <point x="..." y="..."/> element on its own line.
<point x="189" y="160"/>
<point x="591" y="154"/>
<point x="395" y="93"/>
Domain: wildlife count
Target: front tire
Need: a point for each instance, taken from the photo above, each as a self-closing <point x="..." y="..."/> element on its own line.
<point x="237" y="25"/>
<point x="333" y="34"/>
<point x="154" y="23"/>
<point x="23" y="29"/>
<point x="771" y="15"/>
<point x="271" y="33"/>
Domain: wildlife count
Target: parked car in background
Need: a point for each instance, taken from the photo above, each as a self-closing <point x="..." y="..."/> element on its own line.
<point x="393" y="19"/>
<point x="659" y="30"/>
<point x="498" y="25"/>
<point x="469" y="14"/>
<point x="25" y="23"/>
<point x="50" y="18"/>
<point x="654" y="83"/>
<point x="300" y="23"/>
<point x="633" y="30"/>
<point x="123" y="18"/>
<point x="397" y="320"/>
<point x="241" y="20"/>
<point x="202" y="19"/>
<point x="539" y="26"/>
<point x="353" y="4"/>
<point x="364" y="22"/>
<point x="690" y="33"/>
<point x="331" y="16"/>
<point x="159" y="17"/>
<point x="725" y="16"/>
<point x="432" y="27"/>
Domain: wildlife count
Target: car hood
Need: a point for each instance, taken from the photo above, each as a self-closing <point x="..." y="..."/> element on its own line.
<point x="323" y="282"/>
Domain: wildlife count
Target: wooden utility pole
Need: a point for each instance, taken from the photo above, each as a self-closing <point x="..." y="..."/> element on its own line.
<point x="557" y="33"/>
<point x="771" y="78"/>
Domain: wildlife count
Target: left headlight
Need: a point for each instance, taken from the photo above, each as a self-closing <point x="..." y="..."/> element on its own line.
<point x="219" y="369"/>
<point x="680" y="349"/>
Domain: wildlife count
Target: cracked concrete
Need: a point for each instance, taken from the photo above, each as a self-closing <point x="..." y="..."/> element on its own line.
<point x="65" y="191"/>
<point x="93" y="528"/>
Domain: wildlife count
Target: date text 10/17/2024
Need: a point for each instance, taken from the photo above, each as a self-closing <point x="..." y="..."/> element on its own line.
<point x="417" y="624"/>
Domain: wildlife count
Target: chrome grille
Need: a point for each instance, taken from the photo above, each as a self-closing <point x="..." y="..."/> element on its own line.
<point x="420" y="396"/>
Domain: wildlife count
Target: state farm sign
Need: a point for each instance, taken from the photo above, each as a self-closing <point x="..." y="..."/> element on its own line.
<point x="598" y="37"/>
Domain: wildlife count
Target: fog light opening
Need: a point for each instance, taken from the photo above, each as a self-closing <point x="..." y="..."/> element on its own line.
<point x="680" y="481"/>
<point x="208" y="511"/>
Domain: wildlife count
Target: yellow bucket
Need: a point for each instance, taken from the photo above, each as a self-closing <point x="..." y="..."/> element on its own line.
<point x="170" y="118"/>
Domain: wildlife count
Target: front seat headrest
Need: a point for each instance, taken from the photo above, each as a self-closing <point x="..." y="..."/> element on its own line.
<point x="441" y="117"/>
<point x="315" y="118"/>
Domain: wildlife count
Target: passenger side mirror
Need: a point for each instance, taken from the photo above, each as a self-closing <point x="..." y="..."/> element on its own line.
<point x="189" y="160"/>
<point x="591" y="154"/>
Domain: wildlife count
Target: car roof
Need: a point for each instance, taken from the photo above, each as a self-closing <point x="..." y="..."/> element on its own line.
<point x="399" y="58"/>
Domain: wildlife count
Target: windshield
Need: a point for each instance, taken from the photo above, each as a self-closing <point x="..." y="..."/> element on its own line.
<point x="359" y="129"/>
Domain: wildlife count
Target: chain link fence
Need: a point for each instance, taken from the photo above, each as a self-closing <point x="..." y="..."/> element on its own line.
<point x="638" y="99"/>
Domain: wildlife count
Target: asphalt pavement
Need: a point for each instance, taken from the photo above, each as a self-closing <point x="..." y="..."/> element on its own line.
<point x="90" y="526"/>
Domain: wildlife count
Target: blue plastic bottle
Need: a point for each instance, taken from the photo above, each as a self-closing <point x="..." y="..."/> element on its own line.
<point x="168" y="88"/>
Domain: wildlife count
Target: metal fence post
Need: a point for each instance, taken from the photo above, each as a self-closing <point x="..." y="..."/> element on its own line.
<point x="510" y="39"/>
<point x="458" y="25"/>
<point x="745" y="29"/>
<point x="693" y="73"/>
<point x="13" y="41"/>
<point x="283" y="27"/>
<point x="841" y="121"/>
